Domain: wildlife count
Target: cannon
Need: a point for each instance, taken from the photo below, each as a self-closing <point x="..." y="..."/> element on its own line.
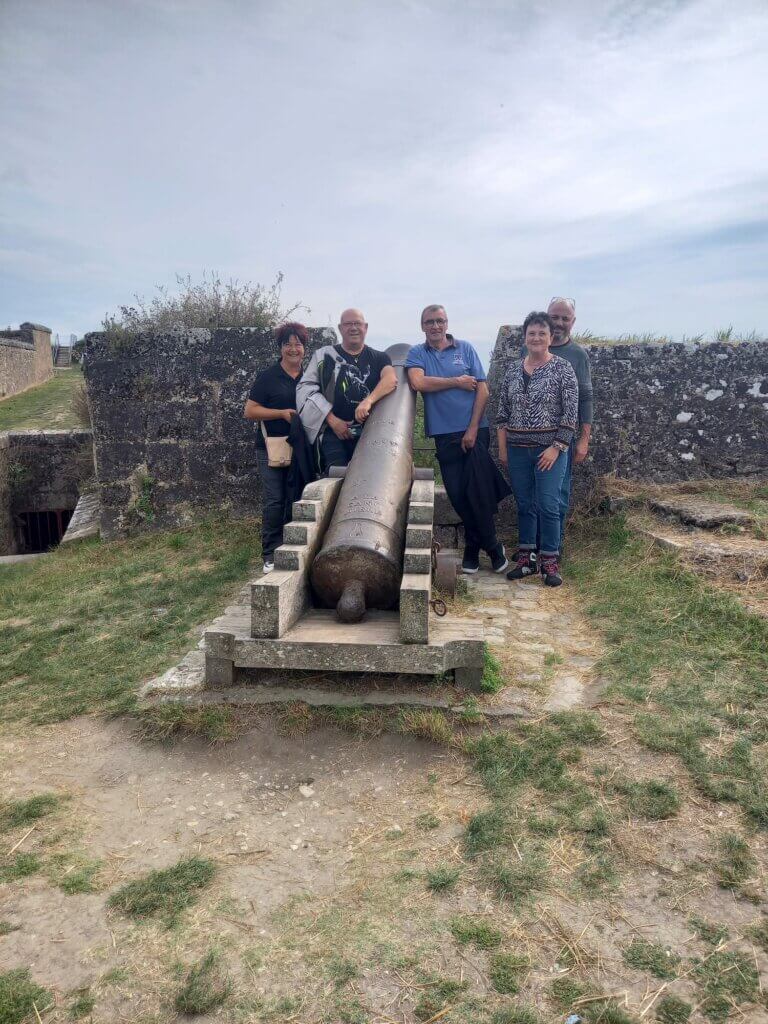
<point x="351" y="590"/>
<point x="360" y="563"/>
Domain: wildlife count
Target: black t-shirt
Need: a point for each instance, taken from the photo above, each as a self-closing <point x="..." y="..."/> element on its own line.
<point x="357" y="379"/>
<point x="274" y="389"/>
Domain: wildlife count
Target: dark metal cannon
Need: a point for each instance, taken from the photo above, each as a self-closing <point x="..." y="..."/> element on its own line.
<point x="360" y="564"/>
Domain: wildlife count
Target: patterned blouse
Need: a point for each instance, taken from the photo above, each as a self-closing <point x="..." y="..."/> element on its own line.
<point x="542" y="409"/>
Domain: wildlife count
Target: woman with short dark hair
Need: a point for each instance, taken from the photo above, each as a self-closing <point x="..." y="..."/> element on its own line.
<point x="272" y="404"/>
<point x="536" y="422"/>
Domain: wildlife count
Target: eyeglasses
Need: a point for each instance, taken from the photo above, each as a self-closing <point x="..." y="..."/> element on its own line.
<point x="352" y="323"/>
<point x="562" y="298"/>
<point x="434" y="323"/>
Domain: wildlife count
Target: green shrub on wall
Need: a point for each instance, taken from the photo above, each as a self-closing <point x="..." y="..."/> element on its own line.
<point x="211" y="303"/>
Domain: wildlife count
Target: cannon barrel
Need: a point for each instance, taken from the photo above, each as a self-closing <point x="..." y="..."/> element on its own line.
<point x="360" y="563"/>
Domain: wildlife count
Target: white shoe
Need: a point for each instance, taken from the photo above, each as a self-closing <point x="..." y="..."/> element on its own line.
<point x="268" y="567"/>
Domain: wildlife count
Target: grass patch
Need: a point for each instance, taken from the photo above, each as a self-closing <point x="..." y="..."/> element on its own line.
<point x="426" y="724"/>
<point x="442" y="879"/>
<point x="655" y="800"/>
<point x="726" y="981"/>
<point x="22" y="866"/>
<point x="361" y="721"/>
<point x="82" y="1006"/>
<point x="19" y="996"/>
<point x="692" y="655"/>
<point x="671" y="1010"/>
<point x="486" y="831"/>
<point x="341" y="971"/>
<point x="516" y="881"/>
<point x="651" y="957"/>
<point x="165" y="893"/>
<point x="515" y="1015"/>
<point x="438" y="994"/>
<point x="735" y="864"/>
<point x="20" y="813"/>
<point x="48" y="406"/>
<point x="426" y="822"/>
<point x="174" y="721"/>
<point x="597" y="875"/>
<point x="129" y="604"/>
<point x="477" y="932"/>
<point x="6" y="927"/>
<point x="492" y="680"/>
<point x="205" y="987"/>
<point x="759" y="934"/>
<point x="565" y="991"/>
<point x="506" y="971"/>
<point x="712" y="934"/>
<point x="81" y="879"/>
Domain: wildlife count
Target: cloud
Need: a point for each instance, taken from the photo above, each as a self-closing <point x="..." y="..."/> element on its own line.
<point x="488" y="154"/>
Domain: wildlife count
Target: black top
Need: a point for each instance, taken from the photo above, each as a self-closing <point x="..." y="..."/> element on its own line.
<point x="357" y="379"/>
<point x="274" y="389"/>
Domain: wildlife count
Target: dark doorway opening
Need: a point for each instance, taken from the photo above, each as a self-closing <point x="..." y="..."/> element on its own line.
<point x="41" y="531"/>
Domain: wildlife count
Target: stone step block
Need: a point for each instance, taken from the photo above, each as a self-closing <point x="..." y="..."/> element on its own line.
<point x="415" y="591"/>
<point x="420" y="512"/>
<point x="417" y="561"/>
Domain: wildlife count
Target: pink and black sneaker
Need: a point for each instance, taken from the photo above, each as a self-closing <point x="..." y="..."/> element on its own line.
<point x="525" y="566"/>
<point x="550" y="570"/>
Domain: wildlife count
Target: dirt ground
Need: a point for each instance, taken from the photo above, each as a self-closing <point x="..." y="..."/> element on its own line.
<point x="323" y="844"/>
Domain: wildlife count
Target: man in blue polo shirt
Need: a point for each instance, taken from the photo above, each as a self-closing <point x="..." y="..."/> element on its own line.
<point x="450" y="376"/>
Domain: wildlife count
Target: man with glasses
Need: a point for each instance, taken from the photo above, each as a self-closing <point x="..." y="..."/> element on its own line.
<point x="450" y="376"/>
<point x="562" y="311"/>
<point x="340" y="386"/>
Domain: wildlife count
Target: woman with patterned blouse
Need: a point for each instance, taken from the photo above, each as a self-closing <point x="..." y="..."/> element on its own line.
<point x="536" y="422"/>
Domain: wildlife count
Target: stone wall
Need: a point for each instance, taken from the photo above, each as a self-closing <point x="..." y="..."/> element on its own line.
<point x="41" y="470"/>
<point x="171" y="441"/>
<point x="169" y="434"/>
<point x="7" y="539"/>
<point x="25" y="358"/>
<point x="669" y="412"/>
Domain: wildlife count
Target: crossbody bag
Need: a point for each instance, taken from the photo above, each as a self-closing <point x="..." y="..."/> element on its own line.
<point x="279" y="451"/>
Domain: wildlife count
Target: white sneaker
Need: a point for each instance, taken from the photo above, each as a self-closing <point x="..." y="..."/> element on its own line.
<point x="268" y="567"/>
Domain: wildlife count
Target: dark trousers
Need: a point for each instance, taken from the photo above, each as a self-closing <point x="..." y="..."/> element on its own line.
<point x="275" y="505"/>
<point x="477" y="533"/>
<point x="335" y="452"/>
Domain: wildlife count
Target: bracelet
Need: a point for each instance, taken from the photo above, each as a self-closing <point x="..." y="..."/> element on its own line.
<point x="560" y="446"/>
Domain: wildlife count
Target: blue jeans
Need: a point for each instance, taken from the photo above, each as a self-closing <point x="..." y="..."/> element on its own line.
<point x="537" y="494"/>
<point x="565" y="496"/>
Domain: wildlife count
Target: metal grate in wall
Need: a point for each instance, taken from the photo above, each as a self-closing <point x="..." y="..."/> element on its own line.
<point x="42" y="530"/>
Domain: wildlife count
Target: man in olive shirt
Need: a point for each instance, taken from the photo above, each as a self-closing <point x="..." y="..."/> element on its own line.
<point x="563" y="314"/>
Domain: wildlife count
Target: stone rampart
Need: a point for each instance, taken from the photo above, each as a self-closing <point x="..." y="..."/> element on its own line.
<point x="670" y="411"/>
<point x="171" y="441"/>
<point x="26" y="358"/>
<point x="169" y="434"/>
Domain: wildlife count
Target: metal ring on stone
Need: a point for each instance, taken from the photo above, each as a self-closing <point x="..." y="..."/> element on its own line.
<point x="438" y="607"/>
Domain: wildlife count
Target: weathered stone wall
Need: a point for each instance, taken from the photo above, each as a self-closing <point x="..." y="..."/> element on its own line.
<point x="41" y="470"/>
<point x="669" y="412"/>
<point x="170" y="438"/>
<point x="171" y="441"/>
<point x="7" y="539"/>
<point x="26" y="358"/>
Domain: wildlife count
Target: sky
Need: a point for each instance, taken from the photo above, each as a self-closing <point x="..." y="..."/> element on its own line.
<point x="486" y="156"/>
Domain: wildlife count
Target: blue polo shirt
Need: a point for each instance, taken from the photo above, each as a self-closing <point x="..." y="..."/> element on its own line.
<point x="448" y="412"/>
